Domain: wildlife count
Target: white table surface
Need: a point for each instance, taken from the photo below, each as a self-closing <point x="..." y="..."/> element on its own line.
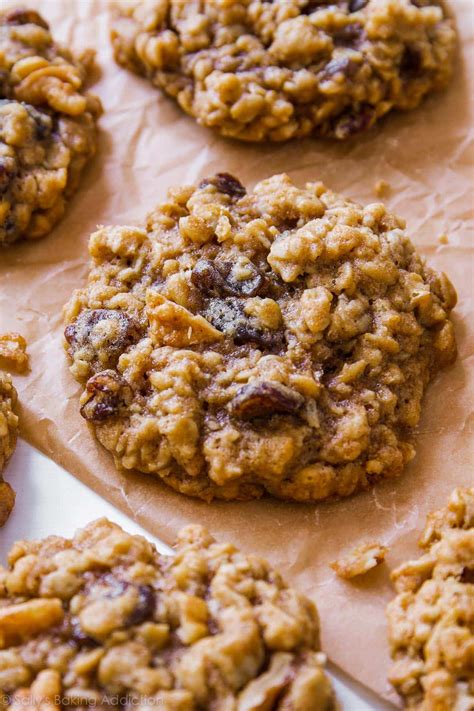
<point x="51" y="501"/>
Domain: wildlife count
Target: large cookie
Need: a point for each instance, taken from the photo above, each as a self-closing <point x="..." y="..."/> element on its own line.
<point x="273" y="341"/>
<point x="47" y="126"/>
<point x="259" y="70"/>
<point x="103" y="616"/>
<point x="431" y="621"/>
<point x="8" y="434"/>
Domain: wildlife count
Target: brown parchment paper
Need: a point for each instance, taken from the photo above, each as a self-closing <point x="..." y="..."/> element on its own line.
<point x="146" y="145"/>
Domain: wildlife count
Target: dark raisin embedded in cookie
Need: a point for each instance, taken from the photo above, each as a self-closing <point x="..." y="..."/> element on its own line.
<point x="289" y="332"/>
<point x="227" y="184"/>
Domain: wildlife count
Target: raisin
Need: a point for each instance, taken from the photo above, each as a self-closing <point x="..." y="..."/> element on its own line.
<point x="314" y="5"/>
<point x="208" y="279"/>
<point x="216" y="279"/>
<point x="356" y="5"/>
<point x="467" y="575"/>
<point x="267" y="340"/>
<point x="21" y="16"/>
<point x="79" y="636"/>
<point x="349" y="36"/>
<point x="107" y="392"/>
<point x="103" y="332"/>
<point x="7" y="174"/>
<point x="43" y="123"/>
<point x="351" y="123"/>
<point x="227" y="315"/>
<point x="411" y="63"/>
<point x="340" y="65"/>
<point x="262" y="399"/>
<point x="145" y="606"/>
<point x="225" y="183"/>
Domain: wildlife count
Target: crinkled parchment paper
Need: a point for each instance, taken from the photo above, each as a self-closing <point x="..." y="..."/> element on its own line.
<point x="146" y="145"/>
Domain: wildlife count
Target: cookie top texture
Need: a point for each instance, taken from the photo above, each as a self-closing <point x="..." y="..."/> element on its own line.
<point x="431" y="621"/>
<point x="273" y="341"/>
<point x="271" y="71"/>
<point x="47" y="125"/>
<point x="104" y="614"/>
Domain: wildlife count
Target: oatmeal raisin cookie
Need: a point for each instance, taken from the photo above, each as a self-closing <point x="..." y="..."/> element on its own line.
<point x="8" y="433"/>
<point x="431" y="621"/>
<point x="104" y="615"/>
<point x="258" y="70"/>
<point x="274" y="341"/>
<point x="47" y="126"/>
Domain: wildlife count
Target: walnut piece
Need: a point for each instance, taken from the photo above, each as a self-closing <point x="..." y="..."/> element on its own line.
<point x="13" y="353"/>
<point x="360" y="560"/>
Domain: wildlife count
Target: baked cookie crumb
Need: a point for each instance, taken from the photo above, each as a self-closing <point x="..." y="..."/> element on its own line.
<point x="360" y="560"/>
<point x="271" y="71"/>
<point x="105" y="614"/>
<point x="8" y="436"/>
<point x="271" y="341"/>
<point x="382" y="188"/>
<point x="431" y="621"/>
<point x="13" y="353"/>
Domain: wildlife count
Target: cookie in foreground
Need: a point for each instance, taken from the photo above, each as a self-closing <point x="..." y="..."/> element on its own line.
<point x="47" y="126"/>
<point x="8" y="436"/>
<point x="431" y="621"/>
<point x="105" y="614"/>
<point x="273" y="341"/>
<point x="272" y="71"/>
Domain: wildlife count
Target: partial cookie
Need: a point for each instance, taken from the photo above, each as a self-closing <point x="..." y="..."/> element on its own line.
<point x="273" y="341"/>
<point x="105" y="614"/>
<point x="260" y="70"/>
<point x="47" y="126"/>
<point x="8" y="434"/>
<point x="431" y="621"/>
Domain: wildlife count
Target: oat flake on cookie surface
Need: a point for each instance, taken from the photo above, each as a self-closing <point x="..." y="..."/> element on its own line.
<point x="431" y="621"/>
<point x="260" y="70"/>
<point x="47" y="125"/>
<point x="277" y="340"/>
<point x="104" y="616"/>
